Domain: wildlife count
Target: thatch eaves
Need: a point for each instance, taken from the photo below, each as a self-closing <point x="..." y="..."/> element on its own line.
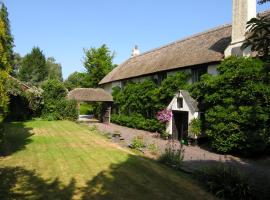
<point x="90" y="95"/>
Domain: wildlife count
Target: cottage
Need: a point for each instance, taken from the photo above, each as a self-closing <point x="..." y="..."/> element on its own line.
<point x="198" y="54"/>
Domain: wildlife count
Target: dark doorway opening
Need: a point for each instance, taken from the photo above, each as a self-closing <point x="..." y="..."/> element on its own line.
<point x="180" y="125"/>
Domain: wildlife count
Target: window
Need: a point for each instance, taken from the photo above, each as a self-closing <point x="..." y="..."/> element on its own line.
<point x="161" y="77"/>
<point x="197" y="73"/>
<point x="179" y="102"/>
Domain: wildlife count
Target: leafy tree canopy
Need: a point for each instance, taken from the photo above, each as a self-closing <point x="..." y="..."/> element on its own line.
<point x="98" y="63"/>
<point x="263" y="1"/>
<point x="258" y="36"/>
<point x="6" y="54"/>
<point x="34" y="69"/>
<point x="77" y="80"/>
<point x="54" y="69"/>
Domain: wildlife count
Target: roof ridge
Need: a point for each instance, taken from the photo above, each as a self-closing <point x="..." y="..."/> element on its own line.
<point x="217" y="28"/>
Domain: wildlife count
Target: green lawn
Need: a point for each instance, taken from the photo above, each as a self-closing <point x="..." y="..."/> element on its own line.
<point x="64" y="160"/>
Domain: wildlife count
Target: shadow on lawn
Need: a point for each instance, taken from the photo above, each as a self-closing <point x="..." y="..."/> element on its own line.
<point x="18" y="183"/>
<point x="140" y="178"/>
<point x="258" y="176"/>
<point x="135" y="179"/>
<point x="15" y="137"/>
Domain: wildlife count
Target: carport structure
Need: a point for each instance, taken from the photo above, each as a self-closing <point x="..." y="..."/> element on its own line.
<point x="89" y="95"/>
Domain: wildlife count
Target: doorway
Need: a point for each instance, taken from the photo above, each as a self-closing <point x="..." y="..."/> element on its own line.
<point x="180" y="125"/>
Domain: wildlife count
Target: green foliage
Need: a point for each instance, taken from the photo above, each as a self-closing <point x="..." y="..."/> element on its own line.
<point x="6" y="54"/>
<point x="153" y="148"/>
<point x="139" y="122"/>
<point x="226" y="182"/>
<point x="1" y="137"/>
<point x="138" y="103"/>
<point x="34" y="96"/>
<point x="137" y="98"/>
<point x="98" y="63"/>
<point x="173" y="155"/>
<point x="6" y="44"/>
<point x="137" y="143"/>
<point x="147" y="98"/>
<point x="53" y="90"/>
<point x="77" y="80"/>
<point x="263" y="1"/>
<point x="236" y="105"/>
<point x="18" y="108"/>
<point x="56" y="107"/>
<point x="195" y="127"/>
<point x="171" y="85"/>
<point x="17" y="62"/>
<point x="258" y="36"/>
<point x="54" y="69"/>
<point x="86" y="109"/>
<point x="34" y="69"/>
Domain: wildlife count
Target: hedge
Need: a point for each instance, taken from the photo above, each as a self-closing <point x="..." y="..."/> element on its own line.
<point x="139" y="122"/>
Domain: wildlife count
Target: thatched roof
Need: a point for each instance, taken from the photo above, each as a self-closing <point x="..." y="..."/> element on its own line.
<point x="202" y="48"/>
<point x="23" y="86"/>
<point x="206" y="47"/>
<point x="90" y="95"/>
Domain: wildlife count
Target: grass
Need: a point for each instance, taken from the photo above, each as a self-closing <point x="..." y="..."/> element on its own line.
<point x="65" y="160"/>
<point x="86" y="109"/>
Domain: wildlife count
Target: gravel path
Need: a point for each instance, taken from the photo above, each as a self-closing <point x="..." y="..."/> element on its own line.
<point x="196" y="157"/>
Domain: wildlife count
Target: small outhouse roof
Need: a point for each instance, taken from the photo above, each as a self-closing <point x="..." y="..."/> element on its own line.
<point x="90" y="95"/>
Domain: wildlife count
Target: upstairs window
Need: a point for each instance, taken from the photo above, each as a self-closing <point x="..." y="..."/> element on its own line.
<point x="179" y="102"/>
<point x="161" y="77"/>
<point x="197" y="73"/>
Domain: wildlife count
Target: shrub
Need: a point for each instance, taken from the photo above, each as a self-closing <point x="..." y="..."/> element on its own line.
<point x="34" y="96"/>
<point x="237" y="106"/>
<point x="1" y="138"/>
<point x="53" y="90"/>
<point x="153" y="149"/>
<point x="173" y="155"/>
<point x="226" y="182"/>
<point x="138" y="122"/>
<point x="137" y="143"/>
<point x="195" y="127"/>
<point x="56" y="106"/>
<point x="61" y="110"/>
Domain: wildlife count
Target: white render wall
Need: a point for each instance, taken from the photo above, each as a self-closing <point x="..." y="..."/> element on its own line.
<point x="212" y="69"/>
<point x="109" y="86"/>
<point x="173" y="106"/>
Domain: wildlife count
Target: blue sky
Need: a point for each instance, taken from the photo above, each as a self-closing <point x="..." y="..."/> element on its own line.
<point x="62" y="28"/>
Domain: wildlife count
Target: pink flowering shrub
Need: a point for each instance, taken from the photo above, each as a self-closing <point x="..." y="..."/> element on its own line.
<point x="164" y="115"/>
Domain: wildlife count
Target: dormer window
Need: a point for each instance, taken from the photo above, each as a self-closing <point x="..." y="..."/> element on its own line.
<point x="179" y="102"/>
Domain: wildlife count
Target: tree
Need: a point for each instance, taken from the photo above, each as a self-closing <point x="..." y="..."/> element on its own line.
<point x="98" y="63"/>
<point x="236" y="105"/>
<point x="7" y="41"/>
<point x="263" y="1"/>
<point x="34" y="69"/>
<point x="17" y="63"/>
<point x="258" y="36"/>
<point x="77" y="80"/>
<point x="6" y="52"/>
<point x="54" y="69"/>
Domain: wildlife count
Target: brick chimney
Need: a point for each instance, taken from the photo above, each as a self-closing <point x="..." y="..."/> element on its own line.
<point x="243" y="11"/>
